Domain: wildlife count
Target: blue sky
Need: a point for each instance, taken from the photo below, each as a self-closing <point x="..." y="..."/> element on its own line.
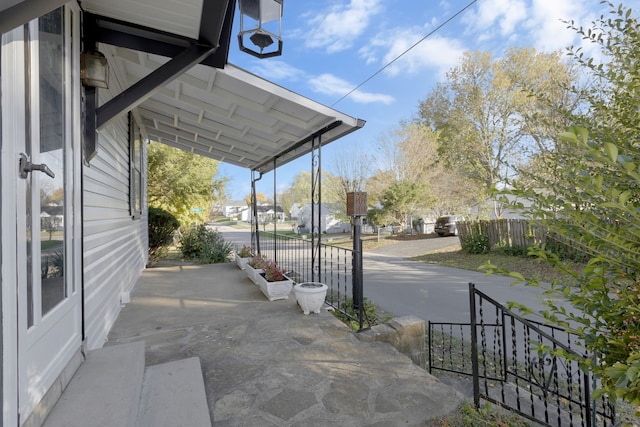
<point x="332" y="46"/>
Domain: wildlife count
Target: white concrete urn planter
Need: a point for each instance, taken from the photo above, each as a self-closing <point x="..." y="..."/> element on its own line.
<point x="274" y="290"/>
<point x="310" y="296"/>
<point x="242" y="262"/>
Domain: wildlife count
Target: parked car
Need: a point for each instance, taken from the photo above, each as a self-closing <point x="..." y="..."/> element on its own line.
<point x="446" y="225"/>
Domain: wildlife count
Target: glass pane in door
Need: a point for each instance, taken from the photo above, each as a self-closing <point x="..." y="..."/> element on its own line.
<point x="52" y="153"/>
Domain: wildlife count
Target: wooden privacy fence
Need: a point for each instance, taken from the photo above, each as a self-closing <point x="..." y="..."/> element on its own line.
<point x="514" y="233"/>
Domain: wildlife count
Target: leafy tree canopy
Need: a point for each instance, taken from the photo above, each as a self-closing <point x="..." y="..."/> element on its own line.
<point x="484" y="118"/>
<point x="404" y="198"/>
<point x="588" y="197"/>
<point x="179" y="181"/>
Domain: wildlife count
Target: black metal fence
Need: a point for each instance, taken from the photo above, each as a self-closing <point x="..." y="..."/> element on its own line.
<point x="332" y="265"/>
<point x="519" y="364"/>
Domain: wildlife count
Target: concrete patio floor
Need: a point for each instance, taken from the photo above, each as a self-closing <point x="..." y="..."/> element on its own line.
<point x="265" y="363"/>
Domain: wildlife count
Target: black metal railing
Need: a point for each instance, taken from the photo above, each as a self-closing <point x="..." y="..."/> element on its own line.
<point x="518" y="364"/>
<point x="331" y="265"/>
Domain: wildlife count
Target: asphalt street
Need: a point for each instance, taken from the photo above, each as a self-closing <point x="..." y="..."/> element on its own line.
<point x="431" y="292"/>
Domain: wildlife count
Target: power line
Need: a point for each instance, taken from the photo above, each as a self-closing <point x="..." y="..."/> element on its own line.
<point x="326" y="15"/>
<point x="406" y="51"/>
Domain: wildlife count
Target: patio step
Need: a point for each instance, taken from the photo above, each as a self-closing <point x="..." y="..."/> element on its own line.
<point x="105" y="391"/>
<point x="113" y="388"/>
<point x="173" y="395"/>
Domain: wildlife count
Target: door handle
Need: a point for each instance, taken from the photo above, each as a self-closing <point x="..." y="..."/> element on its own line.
<point x="26" y="166"/>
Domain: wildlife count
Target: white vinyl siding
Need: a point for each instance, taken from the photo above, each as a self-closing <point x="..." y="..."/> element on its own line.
<point x="115" y="246"/>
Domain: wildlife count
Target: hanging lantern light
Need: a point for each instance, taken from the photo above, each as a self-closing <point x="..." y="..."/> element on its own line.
<point x="257" y="24"/>
<point x="94" y="69"/>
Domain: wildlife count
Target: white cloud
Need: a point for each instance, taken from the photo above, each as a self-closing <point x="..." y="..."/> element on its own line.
<point x="274" y="69"/>
<point x="545" y="24"/>
<point x="435" y="52"/>
<point x="337" y="29"/>
<point x="328" y="84"/>
<point x="495" y="17"/>
<point x="536" y="23"/>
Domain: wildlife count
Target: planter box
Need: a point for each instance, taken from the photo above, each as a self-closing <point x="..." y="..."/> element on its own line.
<point x="241" y="262"/>
<point x="253" y="273"/>
<point x="274" y="290"/>
<point x="310" y="296"/>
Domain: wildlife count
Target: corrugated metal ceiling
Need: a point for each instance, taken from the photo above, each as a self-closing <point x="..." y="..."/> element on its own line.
<point x="181" y="17"/>
<point x="229" y="114"/>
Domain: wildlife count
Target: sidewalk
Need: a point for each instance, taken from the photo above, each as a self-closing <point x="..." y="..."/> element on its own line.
<point x="265" y="363"/>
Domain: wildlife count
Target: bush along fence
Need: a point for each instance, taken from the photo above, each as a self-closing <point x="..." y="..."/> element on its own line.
<point x="509" y="233"/>
<point x="514" y="236"/>
<point x="520" y="365"/>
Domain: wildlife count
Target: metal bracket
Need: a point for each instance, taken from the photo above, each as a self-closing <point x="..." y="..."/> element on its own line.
<point x="26" y="166"/>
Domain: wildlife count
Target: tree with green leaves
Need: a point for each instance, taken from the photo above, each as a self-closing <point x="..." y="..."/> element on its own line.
<point x="180" y="181"/>
<point x="589" y="199"/>
<point x="300" y="190"/>
<point x="450" y="189"/>
<point x="403" y="199"/>
<point x="485" y="119"/>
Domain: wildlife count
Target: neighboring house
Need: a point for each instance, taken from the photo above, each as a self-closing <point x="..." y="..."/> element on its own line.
<point x="294" y="212"/>
<point x="236" y="209"/>
<point x="168" y="81"/>
<point x="51" y="217"/>
<point x="495" y="209"/>
<point x="329" y="222"/>
<point x="267" y="213"/>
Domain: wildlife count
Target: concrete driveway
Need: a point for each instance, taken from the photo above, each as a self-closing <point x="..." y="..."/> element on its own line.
<point x="432" y="292"/>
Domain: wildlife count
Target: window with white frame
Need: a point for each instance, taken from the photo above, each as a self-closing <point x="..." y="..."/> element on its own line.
<point x="135" y="169"/>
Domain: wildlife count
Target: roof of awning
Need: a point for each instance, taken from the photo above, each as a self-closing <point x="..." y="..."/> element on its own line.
<point x="225" y="113"/>
<point x="230" y="114"/>
<point x="214" y="109"/>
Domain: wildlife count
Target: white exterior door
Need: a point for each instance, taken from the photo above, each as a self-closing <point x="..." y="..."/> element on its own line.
<point x="41" y="147"/>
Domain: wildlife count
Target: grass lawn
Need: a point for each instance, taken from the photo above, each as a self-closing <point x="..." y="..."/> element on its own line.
<point x="529" y="267"/>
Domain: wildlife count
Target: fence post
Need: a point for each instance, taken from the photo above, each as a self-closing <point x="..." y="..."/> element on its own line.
<point x="591" y="413"/>
<point x="474" y="346"/>
<point x="357" y="291"/>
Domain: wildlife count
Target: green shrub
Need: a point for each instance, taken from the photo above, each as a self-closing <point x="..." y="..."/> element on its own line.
<point x="162" y="225"/>
<point x="206" y="246"/>
<point x="371" y="315"/>
<point x="564" y="251"/>
<point x="510" y="250"/>
<point x="476" y="244"/>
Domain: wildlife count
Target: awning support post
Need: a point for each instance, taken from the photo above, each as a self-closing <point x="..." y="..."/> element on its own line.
<point x="316" y="206"/>
<point x="255" y="227"/>
<point x="275" y="213"/>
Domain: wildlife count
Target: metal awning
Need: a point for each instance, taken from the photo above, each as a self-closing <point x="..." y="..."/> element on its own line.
<point x="214" y="108"/>
<point x="230" y="114"/>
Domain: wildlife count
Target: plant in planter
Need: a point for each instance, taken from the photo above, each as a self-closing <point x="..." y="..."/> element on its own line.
<point x="273" y="273"/>
<point x="258" y="262"/>
<point x="246" y="251"/>
<point x="256" y="265"/>
<point x="243" y="255"/>
<point x="274" y="283"/>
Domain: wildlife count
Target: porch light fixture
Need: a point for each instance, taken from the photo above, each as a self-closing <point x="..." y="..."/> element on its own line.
<point x="258" y="13"/>
<point x="94" y="69"/>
